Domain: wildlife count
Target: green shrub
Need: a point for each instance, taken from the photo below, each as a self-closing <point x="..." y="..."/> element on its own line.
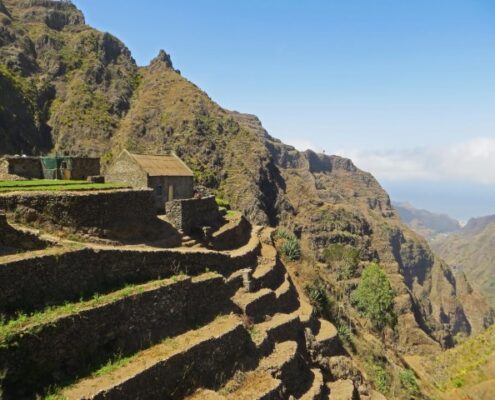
<point x="318" y="296"/>
<point x="408" y="381"/>
<point x="374" y="297"/>
<point x="344" y="332"/>
<point x="291" y="249"/>
<point x="283" y="233"/>
<point x="380" y="376"/>
<point x="458" y="381"/>
<point x="345" y="258"/>
<point x="222" y="203"/>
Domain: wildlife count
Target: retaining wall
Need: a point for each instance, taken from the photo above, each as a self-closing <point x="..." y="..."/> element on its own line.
<point x="119" y="214"/>
<point x="14" y="241"/>
<point x="191" y="214"/>
<point x="231" y="236"/>
<point x="33" y="282"/>
<point x="76" y="343"/>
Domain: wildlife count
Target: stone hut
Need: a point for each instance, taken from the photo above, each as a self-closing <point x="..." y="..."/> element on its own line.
<point x="48" y="167"/>
<point x="69" y="167"/>
<point x="167" y="175"/>
<point x="20" y="167"/>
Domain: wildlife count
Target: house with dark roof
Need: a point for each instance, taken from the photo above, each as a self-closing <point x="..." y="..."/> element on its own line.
<point x="168" y="176"/>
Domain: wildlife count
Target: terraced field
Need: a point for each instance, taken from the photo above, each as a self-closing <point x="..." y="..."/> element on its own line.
<point x="184" y="323"/>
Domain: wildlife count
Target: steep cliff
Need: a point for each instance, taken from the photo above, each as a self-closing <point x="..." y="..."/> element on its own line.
<point x="84" y="93"/>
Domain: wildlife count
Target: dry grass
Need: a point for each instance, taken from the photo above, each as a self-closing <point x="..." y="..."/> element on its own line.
<point x="460" y="372"/>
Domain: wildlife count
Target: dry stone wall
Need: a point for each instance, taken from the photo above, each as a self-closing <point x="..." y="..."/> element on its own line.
<point x="52" y="279"/>
<point x="191" y="214"/>
<point x="74" y="343"/>
<point x="14" y="241"/>
<point x="232" y="235"/>
<point x="120" y="214"/>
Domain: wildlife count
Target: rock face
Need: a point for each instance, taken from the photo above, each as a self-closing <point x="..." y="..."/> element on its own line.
<point x="472" y="251"/>
<point x="63" y="84"/>
<point x="93" y="99"/>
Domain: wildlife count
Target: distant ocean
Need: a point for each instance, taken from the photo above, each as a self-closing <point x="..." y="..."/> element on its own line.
<point x="460" y="200"/>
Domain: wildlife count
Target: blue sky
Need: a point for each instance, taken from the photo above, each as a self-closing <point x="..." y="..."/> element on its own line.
<point x="391" y="84"/>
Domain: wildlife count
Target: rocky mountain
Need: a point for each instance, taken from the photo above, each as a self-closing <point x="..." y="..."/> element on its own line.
<point x="66" y="87"/>
<point x="472" y="250"/>
<point x="426" y="223"/>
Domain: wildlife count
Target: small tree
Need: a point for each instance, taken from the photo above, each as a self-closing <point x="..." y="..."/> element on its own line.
<point x="374" y="297"/>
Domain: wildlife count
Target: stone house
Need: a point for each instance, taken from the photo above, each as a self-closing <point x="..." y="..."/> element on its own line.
<point x="70" y="167"/>
<point x="15" y="167"/>
<point x="167" y="175"/>
<point x="48" y="167"/>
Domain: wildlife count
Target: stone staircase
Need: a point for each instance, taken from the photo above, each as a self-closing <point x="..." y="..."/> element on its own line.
<point x="237" y="329"/>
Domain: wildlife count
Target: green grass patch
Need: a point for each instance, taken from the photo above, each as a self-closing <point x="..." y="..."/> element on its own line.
<point x="113" y="365"/>
<point x="38" y="182"/>
<point x="379" y="376"/>
<point x="50" y="186"/>
<point x="408" y="382"/>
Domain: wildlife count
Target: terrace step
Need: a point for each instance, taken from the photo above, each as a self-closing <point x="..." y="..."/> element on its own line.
<point x="205" y="394"/>
<point x="316" y="391"/>
<point x="256" y="385"/>
<point x="327" y="338"/>
<point x="342" y="389"/>
<point x="256" y="305"/>
<point x="174" y="368"/>
<point x="35" y="280"/>
<point x="373" y="395"/>
<point x="286" y="296"/>
<point x="279" y="328"/>
<point x="269" y="273"/>
<point x="282" y="359"/>
<point x="189" y="243"/>
<point x="307" y="315"/>
<point x="83" y="335"/>
<point x="286" y="364"/>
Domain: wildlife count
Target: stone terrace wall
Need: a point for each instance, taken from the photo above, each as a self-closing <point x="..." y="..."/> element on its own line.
<point x="27" y="283"/>
<point x="120" y="214"/>
<point x="13" y="241"/>
<point x="236" y="233"/>
<point x="190" y="214"/>
<point x="75" y="343"/>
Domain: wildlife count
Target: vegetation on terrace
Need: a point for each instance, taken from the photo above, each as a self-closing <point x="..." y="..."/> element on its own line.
<point x="44" y="185"/>
<point x="23" y="321"/>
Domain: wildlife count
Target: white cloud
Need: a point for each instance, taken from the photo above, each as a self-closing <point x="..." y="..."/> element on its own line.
<point x="302" y="144"/>
<point x="472" y="160"/>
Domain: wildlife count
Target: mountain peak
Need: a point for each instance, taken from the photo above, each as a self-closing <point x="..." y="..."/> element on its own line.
<point x="162" y="58"/>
